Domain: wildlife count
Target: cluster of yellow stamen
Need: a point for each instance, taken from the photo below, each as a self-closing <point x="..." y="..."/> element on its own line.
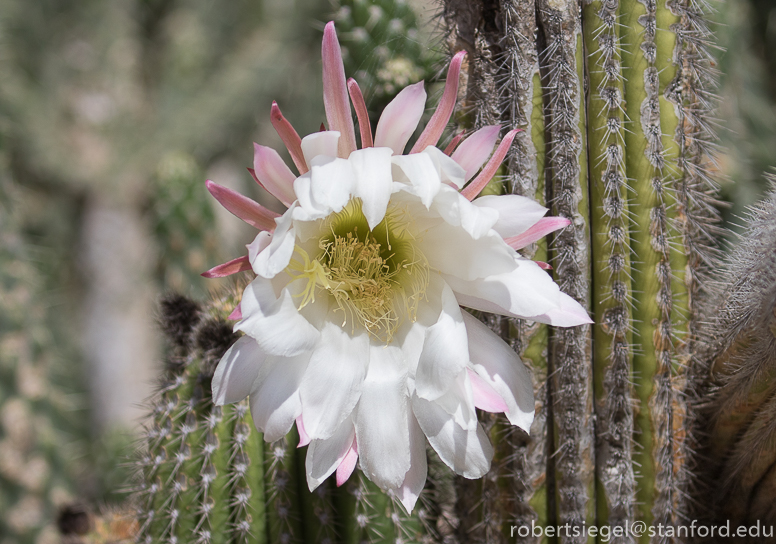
<point x="376" y="277"/>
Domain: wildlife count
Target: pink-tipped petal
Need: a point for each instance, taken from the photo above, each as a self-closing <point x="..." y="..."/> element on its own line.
<point x="243" y="207"/>
<point x="289" y="136"/>
<point x="335" y="92"/>
<point x="236" y="314"/>
<point x="348" y="464"/>
<point x="240" y="264"/>
<point x="273" y="173"/>
<point x="543" y="265"/>
<point x="479" y="183"/>
<point x="453" y="144"/>
<point x="400" y="118"/>
<point x="304" y="438"/>
<point x="476" y="149"/>
<point x="539" y="230"/>
<point x="364" y="126"/>
<point x="485" y="397"/>
<point x="438" y="122"/>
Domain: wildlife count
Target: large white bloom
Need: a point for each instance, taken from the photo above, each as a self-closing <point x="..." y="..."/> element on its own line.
<point x="353" y="326"/>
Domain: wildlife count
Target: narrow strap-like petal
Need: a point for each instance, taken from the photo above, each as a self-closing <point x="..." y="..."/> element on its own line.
<point x="438" y="122"/>
<point x="289" y="136"/>
<point x="400" y="118"/>
<point x="273" y="174"/>
<point x="243" y="207"/>
<point x="543" y="265"/>
<point x="335" y="92"/>
<point x="453" y="143"/>
<point x="542" y="228"/>
<point x="479" y="183"/>
<point x="240" y="264"/>
<point x="361" y="113"/>
<point x="476" y="149"/>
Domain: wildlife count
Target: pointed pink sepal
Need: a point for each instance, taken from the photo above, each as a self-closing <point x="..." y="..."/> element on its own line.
<point x="438" y="122"/>
<point x="364" y="126"/>
<point x="453" y="144"/>
<point x="543" y="265"/>
<point x="304" y="438"/>
<point x="243" y="207"/>
<point x="236" y="314"/>
<point x="479" y="183"/>
<point x="476" y="149"/>
<point x="240" y="264"/>
<point x="289" y="136"/>
<point x="485" y="397"/>
<point x="273" y="174"/>
<point x="348" y="464"/>
<point x="335" y="92"/>
<point x="539" y="230"/>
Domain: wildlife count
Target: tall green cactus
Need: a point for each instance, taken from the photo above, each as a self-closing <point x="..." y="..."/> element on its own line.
<point x="41" y="445"/>
<point x="614" y="97"/>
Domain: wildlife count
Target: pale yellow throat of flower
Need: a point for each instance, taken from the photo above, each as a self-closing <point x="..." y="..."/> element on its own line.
<point x="376" y="277"/>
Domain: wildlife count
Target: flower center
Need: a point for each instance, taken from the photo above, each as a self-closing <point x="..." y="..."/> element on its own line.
<point x="376" y="277"/>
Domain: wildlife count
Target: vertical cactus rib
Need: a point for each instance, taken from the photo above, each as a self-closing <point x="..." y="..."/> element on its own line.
<point x="696" y="219"/>
<point x="561" y="59"/>
<point x="612" y="273"/>
<point x="521" y="105"/>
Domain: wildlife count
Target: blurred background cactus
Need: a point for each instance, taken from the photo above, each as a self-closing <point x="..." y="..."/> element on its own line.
<point x="112" y="114"/>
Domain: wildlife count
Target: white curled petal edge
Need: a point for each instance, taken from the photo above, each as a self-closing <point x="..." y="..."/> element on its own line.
<point x="500" y="367"/>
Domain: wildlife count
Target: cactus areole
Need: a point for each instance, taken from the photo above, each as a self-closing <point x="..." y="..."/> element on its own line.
<point x="352" y="327"/>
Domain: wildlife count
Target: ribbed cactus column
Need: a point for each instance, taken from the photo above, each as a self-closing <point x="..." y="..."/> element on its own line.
<point x="611" y="258"/>
<point x="570" y="368"/>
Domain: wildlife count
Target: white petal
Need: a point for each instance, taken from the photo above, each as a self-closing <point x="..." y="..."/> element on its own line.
<point x="331" y="184"/>
<point x="259" y="244"/>
<point x="382" y="431"/>
<point x="324" y="456"/>
<point x="475" y="150"/>
<point x="516" y="214"/>
<point x="237" y="370"/>
<point x="415" y="479"/>
<point x="275" y="257"/>
<point x="305" y="208"/>
<point x="322" y="143"/>
<point x="420" y="172"/>
<point x="526" y="291"/>
<point x="445" y="349"/>
<point x="374" y="183"/>
<point x="570" y="313"/>
<point x="400" y="118"/>
<point x="467" y="451"/>
<point x="458" y="402"/>
<point x="332" y="384"/>
<point x="274" y="322"/>
<point x="450" y="172"/>
<point x="275" y="403"/>
<point x="456" y="210"/>
<point x="452" y="251"/>
<point x="501" y="368"/>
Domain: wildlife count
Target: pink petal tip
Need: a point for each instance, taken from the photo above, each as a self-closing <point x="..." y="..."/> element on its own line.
<point x="539" y="230"/>
<point x="348" y="464"/>
<point x="240" y="264"/>
<point x="478" y="184"/>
